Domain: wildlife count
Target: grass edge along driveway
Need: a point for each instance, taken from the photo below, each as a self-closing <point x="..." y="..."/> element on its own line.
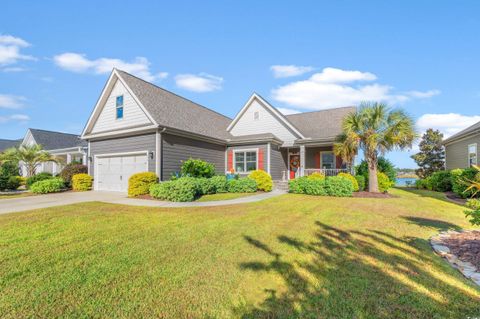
<point x="291" y="256"/>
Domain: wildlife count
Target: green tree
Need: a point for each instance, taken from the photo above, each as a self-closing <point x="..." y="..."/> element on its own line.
<point x="383" y="166"/>
<point x="30" y="156"/>
<point x="376" y="129"/>
<point x="431" y="157"/>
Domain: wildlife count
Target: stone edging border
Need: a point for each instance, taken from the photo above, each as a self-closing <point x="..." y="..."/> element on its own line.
<point x="466" y="268"/>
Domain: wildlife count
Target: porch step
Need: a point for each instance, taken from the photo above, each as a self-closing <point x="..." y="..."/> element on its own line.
<point x="281" y="185"/>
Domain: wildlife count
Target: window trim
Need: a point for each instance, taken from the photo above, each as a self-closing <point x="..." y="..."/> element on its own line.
<point x="244" y="151"/>
<point x="476" y="154"/>
<point x="321" y="160"/>
<point x="121" y="106"/>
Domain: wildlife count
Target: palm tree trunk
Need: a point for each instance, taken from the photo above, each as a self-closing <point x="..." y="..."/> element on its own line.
<point x="372" y="175"/>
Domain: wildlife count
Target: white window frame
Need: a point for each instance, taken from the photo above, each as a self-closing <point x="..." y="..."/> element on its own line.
<point x="244" y="151"/>
<point x="476" y="154"/>
<point x="321" y="159"/>
<point x="117" y="107"/>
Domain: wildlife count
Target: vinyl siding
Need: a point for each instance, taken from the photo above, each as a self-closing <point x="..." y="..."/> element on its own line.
<point x="278" y="162"/>
<point x="176" y="149"/>
<point x="266" y="123"/>
<point x="457" y="152"/>
<point x="133" y="115"/>
<point x="128" y="144"/>
<point x="264" y="147"/>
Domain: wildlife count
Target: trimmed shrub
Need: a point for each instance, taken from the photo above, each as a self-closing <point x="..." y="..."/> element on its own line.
<point x="7" y="171"/>
<point x="72" y="169"/>
<point x="37" y="178"/>
<point x="361" y="182"/>
<point x="14" y="182"/>
<point x="441" y="181"/>
<point x="473" y="203"/>
<point x="220" y="184"/>
<point x="139" y="184"/>
<point x="298" y="185"/>
<point x="384" y="183"/>
<point x="316" y="175"/>
<point x="82" y="182"/>
<point x="184" y="189"/>
<point x="420" y="184"/>
<point x="242" y="185"/>
<point x="352" y="179"/>
<point x="263" y="180"/>
<point x="197" y="168"/>
<point x="460" y="182"/>
<point x="206" y="186"/>
<point x="52" y="185"/>
<point x="339" y="186"/>
<point x="316" y="186"/>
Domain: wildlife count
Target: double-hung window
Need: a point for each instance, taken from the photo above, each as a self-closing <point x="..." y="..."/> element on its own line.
<point x="119" y="107"/>
<point x="245" y="161"/>
<point x="472" y="154"/>
<point x="327" y="160"/>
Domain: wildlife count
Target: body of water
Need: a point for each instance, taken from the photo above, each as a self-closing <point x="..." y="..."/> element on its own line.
<point x="402" y="182"/>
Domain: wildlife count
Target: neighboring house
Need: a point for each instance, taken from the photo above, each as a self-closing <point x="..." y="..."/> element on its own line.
<point x="137" y="126"/>
<point x="461" y="149"/>
<point x="68" y="147"/>
<point x="6" y="144"/>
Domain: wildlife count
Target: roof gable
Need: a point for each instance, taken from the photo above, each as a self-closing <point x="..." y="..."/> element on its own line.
<point x="257" y="116"/>
<point x="466" y="132"/>
<point x="50" y="140"/>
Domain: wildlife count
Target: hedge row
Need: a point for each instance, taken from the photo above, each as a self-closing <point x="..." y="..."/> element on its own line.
<point x="187" y="189"/>
<point x="332" y="186"/>
<point x="456" y="180"/>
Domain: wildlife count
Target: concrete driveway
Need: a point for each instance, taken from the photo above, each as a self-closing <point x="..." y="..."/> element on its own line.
<point x="58" y="199"/>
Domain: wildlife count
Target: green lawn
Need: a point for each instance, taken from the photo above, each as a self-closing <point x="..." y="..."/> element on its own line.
<point x="292" y="256"/>
<point x="223" y="196"/>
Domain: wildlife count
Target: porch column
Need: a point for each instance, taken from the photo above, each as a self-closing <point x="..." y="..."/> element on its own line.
<point x="84" y="159"/>
<point x="69" y="158"/>
<point x="302" y="160"/>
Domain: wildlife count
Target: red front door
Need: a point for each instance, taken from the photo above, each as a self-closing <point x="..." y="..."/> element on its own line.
<point x="294" y="165"/>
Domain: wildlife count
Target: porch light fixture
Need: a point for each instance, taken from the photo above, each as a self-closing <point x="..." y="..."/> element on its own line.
<point x="89" y="158"/>
<point x="151" y="155"/>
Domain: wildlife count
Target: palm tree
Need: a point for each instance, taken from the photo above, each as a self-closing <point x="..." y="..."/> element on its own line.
<point x="29" y="155"/>
<point x="376" y="129"/>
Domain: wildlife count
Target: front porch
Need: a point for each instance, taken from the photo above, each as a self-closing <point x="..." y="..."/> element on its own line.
<point x="306" y="160"/>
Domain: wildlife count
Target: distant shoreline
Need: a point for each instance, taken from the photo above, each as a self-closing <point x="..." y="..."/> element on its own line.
<point x="407" y="176"/>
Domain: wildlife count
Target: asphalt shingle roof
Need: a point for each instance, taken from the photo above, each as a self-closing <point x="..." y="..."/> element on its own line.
<point x="56" y="140"/>
<point x="466" y="131"/>
<point x="5" y="144"/>
<point x="320" y="124"/>
<point x="174" y="111"/>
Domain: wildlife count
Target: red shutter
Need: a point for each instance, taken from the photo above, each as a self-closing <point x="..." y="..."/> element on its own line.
<point x="260" y="159"/>
<point x="229" y="161"/>
<point x="317" y="160"/>
<point x="339" y="162"/>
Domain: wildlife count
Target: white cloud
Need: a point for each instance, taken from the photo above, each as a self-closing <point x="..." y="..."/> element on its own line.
<point x="8" y="101"/>
<point x="447" y="123"/>
<point x="423" y="95"/>
<point x="77" y="62"/>
<point x="15" y="117"/>
<point x="202" y="82"/>
<point x="335" y="87"/>
<point x="287" y="111"/>
<point x="285" y="71"/>
<point x="10" y="47"/>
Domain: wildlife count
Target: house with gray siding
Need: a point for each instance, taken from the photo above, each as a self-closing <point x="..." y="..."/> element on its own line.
<point x="137" y="126"/>
<point x="461" y="149"/>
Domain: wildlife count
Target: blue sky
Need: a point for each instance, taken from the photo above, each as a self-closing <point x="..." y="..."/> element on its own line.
<point x="422" y="56"/>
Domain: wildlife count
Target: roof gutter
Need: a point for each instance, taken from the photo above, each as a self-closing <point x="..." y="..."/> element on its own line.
<point x="453" y="139"/>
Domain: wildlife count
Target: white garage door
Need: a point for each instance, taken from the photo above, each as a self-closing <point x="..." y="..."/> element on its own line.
<point x="113" y="172"/>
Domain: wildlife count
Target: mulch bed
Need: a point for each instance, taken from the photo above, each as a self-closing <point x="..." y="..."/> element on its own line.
<point x="455" y="198"/>
<point x="465" y="245"/>
<point x="146" y="196"/>
<point x="373" y="195"/>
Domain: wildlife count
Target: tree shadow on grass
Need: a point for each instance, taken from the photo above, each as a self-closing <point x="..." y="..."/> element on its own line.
<point x="361" y="274"/>
<point x="432" y="223"/>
